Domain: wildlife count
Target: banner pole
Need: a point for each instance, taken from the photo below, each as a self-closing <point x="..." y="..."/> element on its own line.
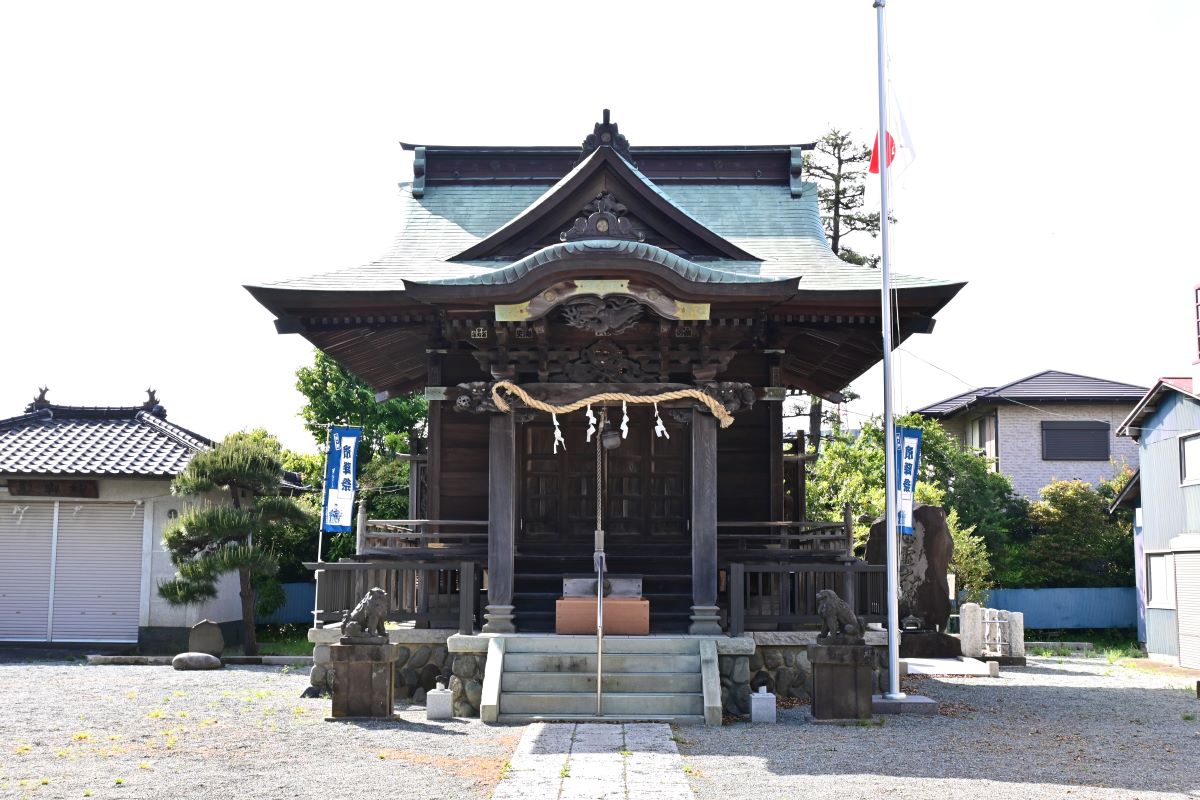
<point x="321" y="526"/>
<point x="889" y="422"/>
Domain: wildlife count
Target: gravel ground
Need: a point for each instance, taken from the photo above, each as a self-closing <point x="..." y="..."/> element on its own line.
<point x="1077" y="728"/>
<point x="1070" y="728"/>
<point x="241" y="732"/>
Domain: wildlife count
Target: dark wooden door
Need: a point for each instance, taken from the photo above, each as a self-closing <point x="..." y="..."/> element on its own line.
<point x="648" y="486"/>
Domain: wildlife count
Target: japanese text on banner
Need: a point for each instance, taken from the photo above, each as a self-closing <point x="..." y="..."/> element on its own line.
<point x="337" y="507"/>
<point x="908" y="457"/>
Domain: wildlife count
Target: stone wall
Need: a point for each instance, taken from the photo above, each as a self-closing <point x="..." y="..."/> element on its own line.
<point x="422" y="664"/>
<point x="466" y="683"/>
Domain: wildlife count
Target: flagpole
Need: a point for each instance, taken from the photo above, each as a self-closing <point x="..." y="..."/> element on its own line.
<point x="889" y="422"/>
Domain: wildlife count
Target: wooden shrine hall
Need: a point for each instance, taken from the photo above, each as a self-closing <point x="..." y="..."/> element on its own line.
<point x="607" y="269"/>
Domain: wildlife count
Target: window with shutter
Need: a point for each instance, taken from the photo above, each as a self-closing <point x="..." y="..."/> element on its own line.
<point x="1075" y="441"/>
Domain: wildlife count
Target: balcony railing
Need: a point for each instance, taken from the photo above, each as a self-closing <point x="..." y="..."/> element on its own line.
<point x="427" y="593"/>
<point x="779" y="597"/>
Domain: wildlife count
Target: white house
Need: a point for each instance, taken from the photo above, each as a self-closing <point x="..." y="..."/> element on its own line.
<point x="84" y="496"/>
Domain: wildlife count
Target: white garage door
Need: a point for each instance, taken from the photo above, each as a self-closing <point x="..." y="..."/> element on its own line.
<point x="97" y="573"/>
<point x="74" y="577"/>
<point x="1187" y="604"/>
<point x="26" y="538"/>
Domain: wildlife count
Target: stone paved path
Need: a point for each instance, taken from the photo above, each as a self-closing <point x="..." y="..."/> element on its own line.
<point x="567" y="761"/>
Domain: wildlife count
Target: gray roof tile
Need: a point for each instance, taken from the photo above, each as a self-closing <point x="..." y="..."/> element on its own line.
<point x="73" y="440"/>
<point x="1049" y="385"/>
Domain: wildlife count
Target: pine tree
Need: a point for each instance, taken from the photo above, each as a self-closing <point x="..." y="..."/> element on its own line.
<point x="840" y="164"/>
<point x="207" y="540"/>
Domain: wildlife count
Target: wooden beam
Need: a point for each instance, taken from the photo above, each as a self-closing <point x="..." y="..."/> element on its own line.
<point x="705" y="614"/>
<point x="502" y="522"/>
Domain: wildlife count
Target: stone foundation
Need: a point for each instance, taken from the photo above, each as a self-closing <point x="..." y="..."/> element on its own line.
<point x="421" y="663"/>
<point x="466" y="683"/>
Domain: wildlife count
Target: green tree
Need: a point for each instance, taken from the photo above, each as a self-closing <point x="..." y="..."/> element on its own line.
<point x="1075" y="542"/>
<point x="970" y="563"/>
<point x="208" y="540"/>
<point x="337" y="397"/>
<point x="839" y="164"/>
<point x="850" y="470"/>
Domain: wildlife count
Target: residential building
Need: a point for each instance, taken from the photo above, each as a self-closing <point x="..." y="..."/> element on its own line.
<point x="1049" y="426"/>
<point x="85" y="493"/>
<point x="1165" y="496"/>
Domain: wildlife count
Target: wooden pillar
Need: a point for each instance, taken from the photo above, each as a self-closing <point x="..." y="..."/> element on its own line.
<point x="502" y="522"/>
<point x="705" y="614"/>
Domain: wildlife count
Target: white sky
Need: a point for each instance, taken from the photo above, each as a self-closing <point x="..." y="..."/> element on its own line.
<point x="156" y="156"/>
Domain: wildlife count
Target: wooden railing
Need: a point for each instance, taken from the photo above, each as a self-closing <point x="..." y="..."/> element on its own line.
<point x="381" y="537"/>
<point x="427" y="593"/>
<point x="783" y="541"/>
<point x="773" y="596"/>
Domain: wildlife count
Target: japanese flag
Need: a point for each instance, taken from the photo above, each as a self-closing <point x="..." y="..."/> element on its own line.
<point x="901" y="146"/>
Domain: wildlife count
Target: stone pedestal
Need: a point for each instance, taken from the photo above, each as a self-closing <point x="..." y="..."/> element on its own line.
<point x="842" y="680"/>
<point x="762" y="707"/>
<point x="439" y="704"/>
<point x="364" y="680"/>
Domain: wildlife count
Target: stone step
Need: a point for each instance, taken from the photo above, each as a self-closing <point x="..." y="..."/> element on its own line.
<point x="524" y="719"/>
<point x="586" y="645"/>
<point x="625" y="704"/>
<point x="614" y="662"/>
<point x="619" y="682"/>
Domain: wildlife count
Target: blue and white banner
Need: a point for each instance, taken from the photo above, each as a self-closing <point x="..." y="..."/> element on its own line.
<point x="908" y="457"/>
<point x="337" y="506"/>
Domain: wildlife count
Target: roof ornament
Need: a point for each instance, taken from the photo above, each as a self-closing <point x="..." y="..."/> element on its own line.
<point x="152" y="404"/>
<point x="605" y="135"/>
<point x="40" y="401"/>
<point x="603" y="218"/>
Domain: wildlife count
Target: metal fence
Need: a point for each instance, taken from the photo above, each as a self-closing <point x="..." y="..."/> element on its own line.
<point x="1114" y="607"/>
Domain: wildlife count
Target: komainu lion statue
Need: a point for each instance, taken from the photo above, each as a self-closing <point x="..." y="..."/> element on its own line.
<point x="837" y="618"/>
<point x="368" y="616"/>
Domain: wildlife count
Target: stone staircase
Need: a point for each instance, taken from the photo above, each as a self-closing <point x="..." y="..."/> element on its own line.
<point x="647" y="678"/>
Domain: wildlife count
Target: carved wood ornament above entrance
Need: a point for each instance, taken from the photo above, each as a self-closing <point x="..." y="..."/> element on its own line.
<point x="596" y="304"/>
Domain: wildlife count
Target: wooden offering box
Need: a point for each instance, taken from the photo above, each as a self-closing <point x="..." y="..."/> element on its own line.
<point x="623" y="616"/>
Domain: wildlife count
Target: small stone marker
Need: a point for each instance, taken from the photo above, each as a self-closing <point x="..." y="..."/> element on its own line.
<point x="438" y="703"/>
<point x="762" y="706"/>
<point x="189" y="661"/>
<point x="206" y="637"/>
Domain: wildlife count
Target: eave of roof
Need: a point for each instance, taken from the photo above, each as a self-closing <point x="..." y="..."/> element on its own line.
<point x="1130" y="494"/>
<point x="1030" y="390"/>
<point x="1131" y="425"/>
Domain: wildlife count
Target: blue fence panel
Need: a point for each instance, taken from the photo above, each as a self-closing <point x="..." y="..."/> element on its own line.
<point x="299" y="605"/>
<point x="1070" y="608"/>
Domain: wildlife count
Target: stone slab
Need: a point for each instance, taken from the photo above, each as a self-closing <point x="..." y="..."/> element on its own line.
<point x="876" y="638"/>
<point x="948" y="666"/>
<point x="726" y="645"/>
<point x="135" y="661"/>
<point x="405" y="636"/>
<point x="762" y="708"/>
<point x="206" y="637"/>
<point x="438" y="704"/>
<point x="912" y="704"/>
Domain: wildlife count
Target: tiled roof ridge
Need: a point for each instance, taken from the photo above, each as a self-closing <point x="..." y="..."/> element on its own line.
<point x="40" y="414"/>
<point x="996" y="392"/>
<point x="183" y="436"/>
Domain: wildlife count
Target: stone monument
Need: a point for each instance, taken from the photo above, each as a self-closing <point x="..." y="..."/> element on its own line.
<point x="924" y="588"/>
<point x="843" y="664"/>
<point x="364" y="662"/>
<point x="206" y="637"/>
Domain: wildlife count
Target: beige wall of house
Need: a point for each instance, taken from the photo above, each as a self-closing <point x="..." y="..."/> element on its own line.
<point x="1019" y="442"/>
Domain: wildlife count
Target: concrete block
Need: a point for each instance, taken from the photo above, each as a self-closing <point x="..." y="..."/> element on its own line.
<point x="912" y="704"/>
<point x="762" y="707"/>
<point x="993" y="669"/>
<point x="438" y="704"/>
